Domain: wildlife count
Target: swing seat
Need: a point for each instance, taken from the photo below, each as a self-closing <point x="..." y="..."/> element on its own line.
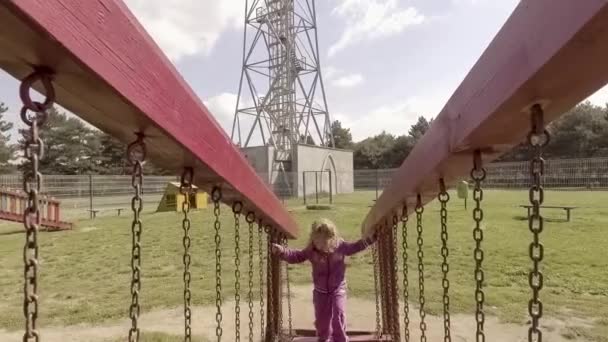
<point x="308" y="335"/>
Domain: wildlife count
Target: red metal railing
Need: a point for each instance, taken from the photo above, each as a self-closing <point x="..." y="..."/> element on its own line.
<point x="109" y="72"/>
<point x="13" y="204"/>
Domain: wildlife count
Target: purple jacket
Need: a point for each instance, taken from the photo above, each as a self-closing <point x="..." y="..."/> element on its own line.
<point x="327" y="269"/>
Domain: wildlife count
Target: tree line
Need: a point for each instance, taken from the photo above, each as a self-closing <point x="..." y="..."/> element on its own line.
<point x="72" y="147"/>
<point x="582" y="132"/>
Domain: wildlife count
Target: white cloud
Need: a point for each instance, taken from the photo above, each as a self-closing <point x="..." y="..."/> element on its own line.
<point x="189" y="27"/>
<point x="348" y="81"/>
<point x="371" y="19"/>
<point x="340" y="79"/>
<point x="466" y="2"/>
<point x="222" y="107"/>
<point x="600" y="97"/>
<point x="395" y="119"/>
<point x="330" y="72"/>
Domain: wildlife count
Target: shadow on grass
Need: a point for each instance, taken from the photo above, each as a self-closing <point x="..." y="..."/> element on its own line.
<point x="547" y="219"/>
<point x="11" y="232"/>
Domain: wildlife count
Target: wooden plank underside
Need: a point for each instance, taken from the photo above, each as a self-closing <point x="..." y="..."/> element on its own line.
<point x="111" y="74"/>
<point x="552" y="52"/>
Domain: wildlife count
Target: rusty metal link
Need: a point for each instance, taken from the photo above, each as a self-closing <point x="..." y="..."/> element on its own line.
<point x="406" y="295"/>
<point x="270" y="285"/>
<point x="186" y="190"/>
<point x="388" y="278"/>
<point x="444" y="197"/>
<point x="261" y="261"/>
<point x="420" y="242"/>
<point x="250" y="218"/>
<point x="32" y="184"/>
<point x="478" y="174"/>
<point x="237" y="208"/>
<point x="289" y="316"/>
<point x="216" y="197"/>
<point x="395" y="263"/>
<point x="376" y="286"/>
<point x="136" y="155"/>
<point x="537" y="139"/>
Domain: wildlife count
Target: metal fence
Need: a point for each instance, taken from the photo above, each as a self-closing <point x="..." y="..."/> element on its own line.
<point x="79" y="193"/>
<point x="560" y="174"/>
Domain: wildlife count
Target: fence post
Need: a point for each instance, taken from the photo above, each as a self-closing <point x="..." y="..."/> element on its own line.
<point x="317" y="187"/>
<point x="304" y="185"/>
<point x="377" y="184"/>
<point x="331" y="189"/>
<point x="90" y="196"/>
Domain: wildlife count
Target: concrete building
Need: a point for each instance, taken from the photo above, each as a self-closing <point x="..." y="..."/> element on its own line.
<point x="316" y="168"/>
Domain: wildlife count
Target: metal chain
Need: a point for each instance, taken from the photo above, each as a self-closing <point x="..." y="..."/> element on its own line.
<point x="136" y="154"/>
<point x="420" y="242"/>
<point x="537" y="139"/>
<point x="376" y="287"/>
<point x="32" y="184"/>
<point x="406" y="295"/>
<point x="478" y="174"/>
<point x="444" y="197"/>
<point x="237" y="208"/>
<point x="186" y="190"/>
<point x="395" y="263"/>
<point x="289" y="317"/>
<point x="270" y="285"/>
<point x="388" y="279"/>
<point x="385" y="280"/>
<point x="216" y="197"/>
<point x="261" y="261"/>
<point x="250" y="218"/>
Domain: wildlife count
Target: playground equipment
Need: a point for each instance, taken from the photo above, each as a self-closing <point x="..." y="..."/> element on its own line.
<point x="322" y="185"/>
<point x="14" y="203"/>
<point x="173" y="200"/>
<point x="96" y="60"/>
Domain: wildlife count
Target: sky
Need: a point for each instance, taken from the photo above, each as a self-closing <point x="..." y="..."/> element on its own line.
<point x="384" y="62"/>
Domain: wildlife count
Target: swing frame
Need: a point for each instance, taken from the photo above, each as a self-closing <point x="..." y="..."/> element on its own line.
<point x="536" y="57"/>
<point x="109" y="72"/>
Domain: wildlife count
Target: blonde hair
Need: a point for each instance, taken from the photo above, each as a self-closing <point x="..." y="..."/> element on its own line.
<point x="326" y="230"/>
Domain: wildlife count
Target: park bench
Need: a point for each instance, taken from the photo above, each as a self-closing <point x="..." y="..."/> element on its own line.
<point x="95" y="211"/>
<point x="563" y="207"/>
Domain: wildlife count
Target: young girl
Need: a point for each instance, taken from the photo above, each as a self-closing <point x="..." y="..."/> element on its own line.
<point x="326" y="252"/>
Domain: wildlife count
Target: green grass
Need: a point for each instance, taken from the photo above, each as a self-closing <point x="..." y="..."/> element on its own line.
<point x="84" y="273"/>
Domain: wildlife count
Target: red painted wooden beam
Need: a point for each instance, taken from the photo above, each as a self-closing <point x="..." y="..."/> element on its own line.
<point x="552" y="52"/>
<point x="111" y="73"/>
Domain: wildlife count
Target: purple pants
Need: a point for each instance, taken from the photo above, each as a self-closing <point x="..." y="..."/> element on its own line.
<point x="330" y="319"/>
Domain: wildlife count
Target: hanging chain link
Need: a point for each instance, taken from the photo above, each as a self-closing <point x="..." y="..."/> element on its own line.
<point x="385" y="280"/>
<point x="261" y="261"/>
<point x="250" y="218"/>
<point x="270" y="284"/>
<point x="420" y="242"/>
<point x="395" y="263"/>
<point x="478" y="174"/>
<point x="216" y="197"/>
<point x="186" y="190"/>
<point x="406" y="295"/>
<point x="237" y="208"/>
<point x="537" y="139"/>
<point x="289" y="317"/>
<point x="444" y="197"/>
<point x="136" y="154"/>
<point x="32" y="184"/>
<point x="376" y="286"/>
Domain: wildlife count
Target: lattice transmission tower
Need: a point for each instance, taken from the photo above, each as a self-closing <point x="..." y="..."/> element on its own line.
<point x="281" y="98"/>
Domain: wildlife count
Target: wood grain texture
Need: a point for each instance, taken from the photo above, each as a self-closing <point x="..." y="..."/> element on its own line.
<point x="552" y="52"/>
<point x="111" y="74"/>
